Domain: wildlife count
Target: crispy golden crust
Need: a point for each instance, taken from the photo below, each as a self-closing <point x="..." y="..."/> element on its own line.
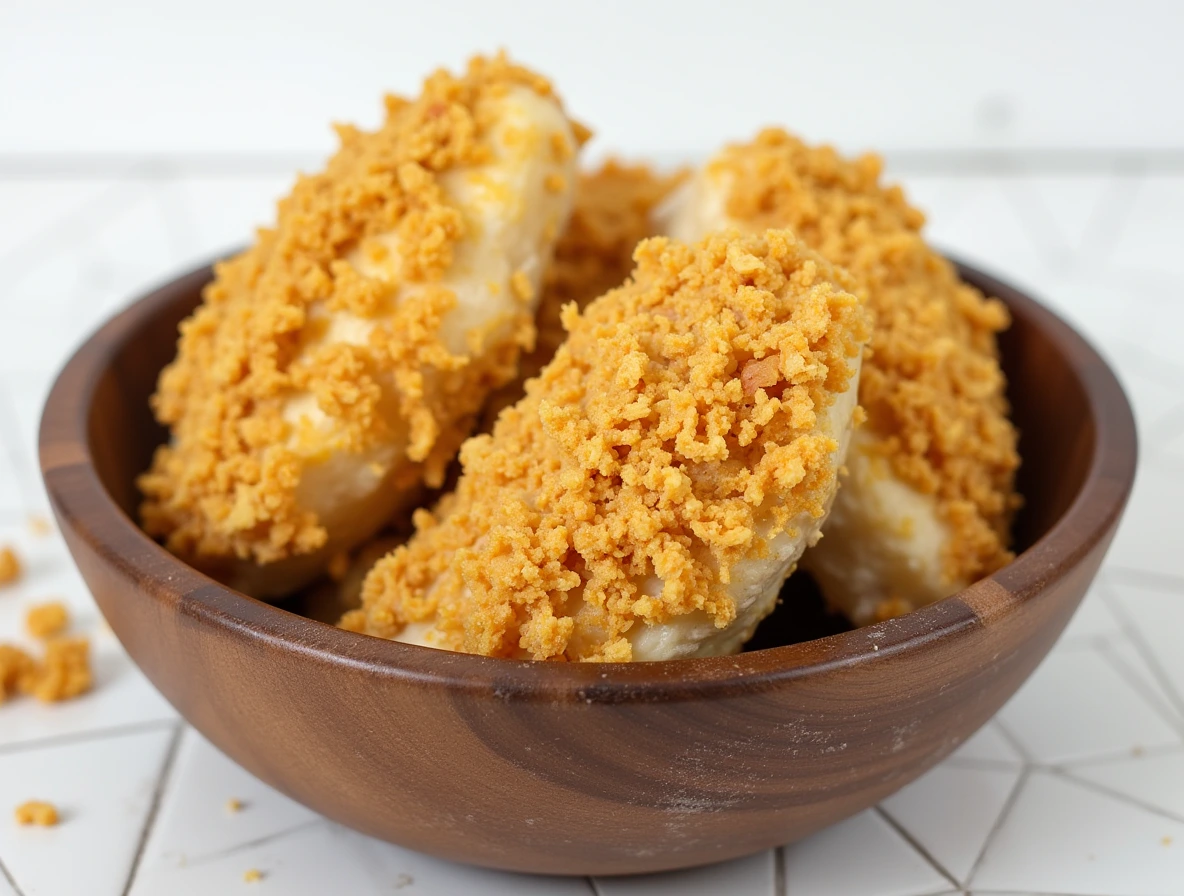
<point x="637" y="454"/>
<point x="15" y="665"/>
<point x="226" y="484"/>
<point x="931" y="383"/>
<point x="613" y="212"/>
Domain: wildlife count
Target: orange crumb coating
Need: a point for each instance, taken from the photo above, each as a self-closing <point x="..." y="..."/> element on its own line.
<point x="226" y="485"/>
<point x="10" y="566"/>
<point x="613" y="212"/>
<point x="46" y="620"/>
<point x="638" y="470"/>
<point x="37" y="812"/>
<point x="931" y="384"/>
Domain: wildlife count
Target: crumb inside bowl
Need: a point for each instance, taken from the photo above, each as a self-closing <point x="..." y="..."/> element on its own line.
<point x="601" y="768"/>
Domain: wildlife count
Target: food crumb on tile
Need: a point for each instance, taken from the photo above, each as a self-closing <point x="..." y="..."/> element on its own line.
<point x="62" y="674"/>
<point x="15" y="664"/>
<point x="10" y="566"/>
<point x="1166" y="841"/>
<point x="403" y="880"/>
<point x="47" y="620"/>
<point x="37" y="812"/>
<point x="234" y="805"/>
<point x="252" y="875"/>
<point x="39" y="525"/>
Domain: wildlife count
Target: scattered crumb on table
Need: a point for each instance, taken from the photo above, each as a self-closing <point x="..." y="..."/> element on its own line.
<point x="15" y="665"/>
<point x="403" y="880"/>
<point x="47" y="620"/>
<point x="234" y="805"/>
<point x="64" y="673"/>
<point x="252" y="875"/>
<point x="39" y="525"/>
<point x="1166" y="841"/>
<point x="10" y="566"/>
<point x="37" y="812"/>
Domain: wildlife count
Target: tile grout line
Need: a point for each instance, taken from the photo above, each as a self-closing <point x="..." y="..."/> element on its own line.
<point x="920" y="850"/>
<point x="1145" y="652"/>
<point x="82" y="736"/>
<point x="157" y="798"/>
<point x="1153" y="701"/>
<point x="1013" y="741"/>
<point x="319" y="821"/>
<point x="1067" y="775"/>
<point x="1012" y="798"/>
<point x="6" y="876"/>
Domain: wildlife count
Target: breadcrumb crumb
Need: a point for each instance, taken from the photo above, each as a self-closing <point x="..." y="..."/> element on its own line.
<point x="63" y="673"/>
<point x="37" y="812"/>
<point x="47" y="620"/>
<point x="39" y="525"/>
<point x="636" y="457"/>
<point x="252" y="875"/>
<point x="234" y="805"/>
<point x="10" y="566"/>
<point x="225" y="486"/>
<point x="931" y="382"/>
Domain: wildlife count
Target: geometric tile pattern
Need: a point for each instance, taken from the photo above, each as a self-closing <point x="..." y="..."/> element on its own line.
<point x="1077" y="787"/>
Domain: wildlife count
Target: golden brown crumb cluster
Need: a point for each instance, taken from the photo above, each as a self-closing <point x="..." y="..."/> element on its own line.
<point x="10" y="566"/>
<point x="225" y="486"/>
<point x="47" y="620"/>
<point x="613" y="212"/>
<point x="931" y="384"/>
<point x="638" y="469"/>
<point x="63" y="672"/>
<point x="37" y="812"/>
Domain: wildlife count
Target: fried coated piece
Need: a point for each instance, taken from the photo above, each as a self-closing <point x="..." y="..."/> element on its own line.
<point x="652" y="490"/>
<point x="337" y="365"/>
<point x="927" y="504"/>
<point x="613" y="212"/>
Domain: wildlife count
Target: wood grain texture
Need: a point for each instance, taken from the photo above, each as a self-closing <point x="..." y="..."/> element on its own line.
<point x="586" y="769"/>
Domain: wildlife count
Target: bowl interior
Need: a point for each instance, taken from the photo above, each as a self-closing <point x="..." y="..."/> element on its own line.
<point x="1050" y="404"/>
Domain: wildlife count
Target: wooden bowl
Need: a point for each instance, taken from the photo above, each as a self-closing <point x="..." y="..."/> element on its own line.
<point x="586" y="769"/>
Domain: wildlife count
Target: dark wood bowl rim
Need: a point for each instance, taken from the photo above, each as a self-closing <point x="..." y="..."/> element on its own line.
<point x="104" y="527"/>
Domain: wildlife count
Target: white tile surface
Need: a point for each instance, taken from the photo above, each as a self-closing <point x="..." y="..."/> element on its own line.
<point x="1062" y="838"/>
<point x="195" y="823"/>
<point x="989" y="745"/>
<point x="951" y="810"/>
<point x="1156" y="614"/>
<point x="1152" y="779"/>
<point x="1096" y="711"/>
<point x="103" y="790"/>
<point x="325" y="858"/>
<point x="859" y="856"/>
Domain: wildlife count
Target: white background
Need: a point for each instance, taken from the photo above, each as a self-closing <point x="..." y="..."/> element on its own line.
<point x="228" y="76"/>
